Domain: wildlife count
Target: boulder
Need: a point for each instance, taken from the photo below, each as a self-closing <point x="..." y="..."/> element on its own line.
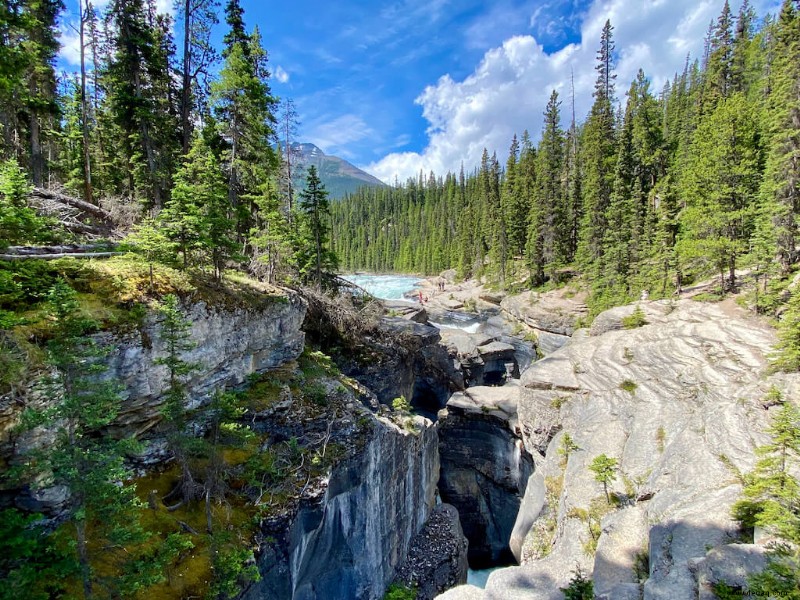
<point x="730" y="565"/>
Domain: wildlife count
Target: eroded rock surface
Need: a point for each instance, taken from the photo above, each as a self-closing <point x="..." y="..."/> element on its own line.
<point x="485" y="468"/>
<point x="553" y="316"/>
<point x="678" y="402"/>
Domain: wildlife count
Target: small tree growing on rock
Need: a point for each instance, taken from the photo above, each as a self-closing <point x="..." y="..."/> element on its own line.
<point x="605" y="472"/>
<point x="772" y="500"/>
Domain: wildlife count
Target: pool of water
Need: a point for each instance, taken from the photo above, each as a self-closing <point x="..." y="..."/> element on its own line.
<point x="479" y="578"/>
<point x="386" y="287"/>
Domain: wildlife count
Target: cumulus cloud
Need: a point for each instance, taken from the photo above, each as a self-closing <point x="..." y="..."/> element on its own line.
<point x="508" y="90"/>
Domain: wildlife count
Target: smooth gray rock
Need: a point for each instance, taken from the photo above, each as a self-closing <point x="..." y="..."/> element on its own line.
<point x="731" y="564"/>
<point x="691" y="416"/>
<point x="622" y="591"/>
<point x="549" y="313"/>
<point x="463" y="592"/>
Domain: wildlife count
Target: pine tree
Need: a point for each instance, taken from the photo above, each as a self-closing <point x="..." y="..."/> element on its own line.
<point x="243" y="105"/>
<point x="515" y="203"/>
<point x="719" y="67"/>
<point x="176" y="337"/>
<point x="548" y="224"/>
<point x="102" y="510"/>
<point x="199" y="16"/>
<point x="140" y="98"/>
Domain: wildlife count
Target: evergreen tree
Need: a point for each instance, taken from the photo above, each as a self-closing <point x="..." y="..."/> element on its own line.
<point x="548" y="225"/>
<point x="317" y="259"/>
<point x="102" y="510"/>
<point x="515" y="203"/>
<point x="140" y="98"/>
<point x="605" y="471"/>
<point x="598" y="157"/>
<point x="719" y="67"/>
<point x="243" y="105"/>
<point x="720" y="186"/>
<point x="199" y="16"/>
<point x="780" y="191"/>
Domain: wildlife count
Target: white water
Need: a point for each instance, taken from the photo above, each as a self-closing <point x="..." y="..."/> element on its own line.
<point x="473" y="328"/>
<point x="393" y="287"/>
<point x="386" y="287"/>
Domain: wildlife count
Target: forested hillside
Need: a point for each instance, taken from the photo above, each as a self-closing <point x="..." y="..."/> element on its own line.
<point x="651" y="190"/>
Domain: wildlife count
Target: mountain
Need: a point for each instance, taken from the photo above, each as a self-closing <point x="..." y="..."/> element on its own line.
<point x="339" y="176"/>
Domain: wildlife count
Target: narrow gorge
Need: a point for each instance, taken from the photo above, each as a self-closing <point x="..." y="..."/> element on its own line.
<point x="486" y="476"/>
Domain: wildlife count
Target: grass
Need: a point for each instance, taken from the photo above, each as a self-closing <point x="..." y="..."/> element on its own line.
<point x="628" y="386"/>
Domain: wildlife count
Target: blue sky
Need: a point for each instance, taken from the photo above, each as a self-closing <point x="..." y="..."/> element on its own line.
<point x="396" y="87"/>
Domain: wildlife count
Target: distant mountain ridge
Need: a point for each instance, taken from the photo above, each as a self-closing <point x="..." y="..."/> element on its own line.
<point x="339" y="176"/>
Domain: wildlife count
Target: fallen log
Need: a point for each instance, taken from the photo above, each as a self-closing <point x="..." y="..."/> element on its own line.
<point x="61" y="255"/>
<point x="70" y="201"/>
<point x="66" y="249"/>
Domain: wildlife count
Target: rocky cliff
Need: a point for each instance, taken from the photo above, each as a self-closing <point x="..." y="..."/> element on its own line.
<point x="230" y="344"/>
<point x="678" y="403"/>
<point x="485" y="468"/>
<point x="347" y="542"/>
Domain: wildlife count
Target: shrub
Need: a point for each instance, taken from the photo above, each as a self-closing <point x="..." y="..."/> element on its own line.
<point x="400" y="404"/>
<point x="398" y="591"/>
<point x="579" y="588"/>
<point x="635" y="319"/>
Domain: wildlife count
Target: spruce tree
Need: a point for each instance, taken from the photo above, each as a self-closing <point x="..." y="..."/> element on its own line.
<point x="598" y="154"/>
<point x="780" y="191"/>
<point x="720" y="185"/>
<point x="101" y="509"/>
<point x="317" y="260"/>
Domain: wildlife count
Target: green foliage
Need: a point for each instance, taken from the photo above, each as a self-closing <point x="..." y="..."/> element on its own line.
<point x="32" y="566"/>
<point x="605" y="471"/>
<point x="635" y="319"/>
<point x="787" y="350"/>
<point x="567" y="447"/>
<point x="316" y="260"/>
<point x="628" y="386"/>
<point x="770" y="500"/>
<point x="232" y="568"/>
<point x="398" y="591"/>
<point x="19" y="223"/>
<point x="725" y="592"/>
<point x="580" y="588"/>
<point x="401" y="405"/>
<point x="101" y="512"/>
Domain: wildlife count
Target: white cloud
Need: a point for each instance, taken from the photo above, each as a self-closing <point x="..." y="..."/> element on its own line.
<point x="507" y="92"/>
<point x="333" y="135"/>
<point x="280" y="74"/>
<point x="70" y="51"/>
